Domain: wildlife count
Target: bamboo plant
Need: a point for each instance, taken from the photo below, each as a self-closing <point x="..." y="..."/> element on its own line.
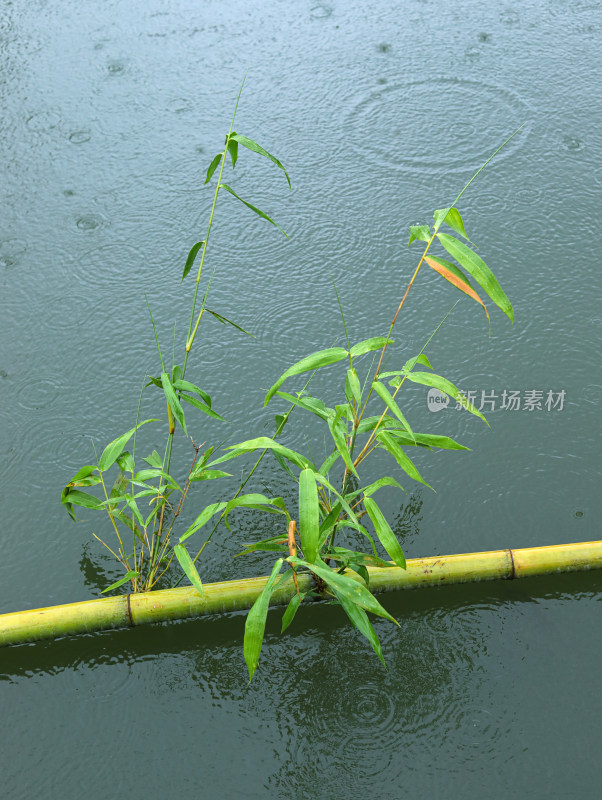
<point x="335" y="497"/>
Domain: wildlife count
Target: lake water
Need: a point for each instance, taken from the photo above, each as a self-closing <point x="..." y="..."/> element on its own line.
<point x="380" y="111"/>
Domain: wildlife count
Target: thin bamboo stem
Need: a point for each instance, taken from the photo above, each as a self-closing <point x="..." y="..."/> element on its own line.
<point x="138" y="609"/>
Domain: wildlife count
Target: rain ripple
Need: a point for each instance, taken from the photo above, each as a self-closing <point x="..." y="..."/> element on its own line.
<point x="375" y="121"/>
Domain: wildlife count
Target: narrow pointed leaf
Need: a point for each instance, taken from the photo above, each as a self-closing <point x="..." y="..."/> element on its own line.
<point x="353" y="389"/>
<point x="322" y="358"/>
<point x="368" y="345"/>
<point x="208" y="475"/>
<point x="445" y="386"/>
<point x="360" y="620"/>
<point x="313" y="404"/>
<point x="202" y="407"/>
<point x="255" y="622"/>
<point x="421" y="233"/>
<point x="309" y="515"/>
<point x="263" y="443"/>
<point x="191" y="257"/>
<point x="189" y="568"/>
<point x="233" y="149"/>
<point x="154" y="460"/>
<point x="455" y="281"/>
<point x="451" y="217"/>
<point x="427" y="440"/>
<point x="384" y="394"/>
<point x="291" y="610"/>
<point x="352" y="590"/>
<point x="202" y="519"/>
<point x="213" y="167"/>
<point x="374" y="487"/>
<point x="385" y="534"/>
<point x="254" y="502"/>
<point x="329" y="463"/>
<point x="79" y="498"/>
<point x="172" y="400"/>
<point x="115" y="448"/>
<point x="475" y="265"/>
<point x="393" y="447"/>
<point x="258" y="211"/>
<point x="132" y="574"/>
<point x="226" y="321"/>
<point x="337" y="432"/>
<point x="186" y="386"/>
<point x="256" y="148"/>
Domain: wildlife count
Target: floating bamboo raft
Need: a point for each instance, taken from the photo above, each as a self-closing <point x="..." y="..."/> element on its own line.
<point x="139" y="609"/>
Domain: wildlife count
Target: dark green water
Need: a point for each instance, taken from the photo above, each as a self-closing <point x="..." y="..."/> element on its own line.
<point x="380" y="111"/>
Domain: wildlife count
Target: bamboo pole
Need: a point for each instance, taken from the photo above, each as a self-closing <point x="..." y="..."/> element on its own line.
<point x="139" y="609"/>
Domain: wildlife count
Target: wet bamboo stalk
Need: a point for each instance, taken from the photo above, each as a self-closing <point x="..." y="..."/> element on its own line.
<point x="139" y="609"/>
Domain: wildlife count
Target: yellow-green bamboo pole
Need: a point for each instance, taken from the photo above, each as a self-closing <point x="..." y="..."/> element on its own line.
<point x="139" y="609"/>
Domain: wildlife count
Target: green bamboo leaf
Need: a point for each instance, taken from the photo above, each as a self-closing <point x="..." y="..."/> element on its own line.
<point x="272" y="544"/>
<point x="255" y="622"/>
<point x="475" y="265"/>
<point x="338" y="432"/>
<point x="132" y="574"/>
<point x="208" y="475"/>
<point x="156" y="472"/>
<point x="254" y="502"/>
<point x="172" y="400"/>
<point x="352" y="590"/>
<point x="154" y="460"/>
<point x="128" y="522"/>
<point x="115" y="448"/>
<point x="188" y="566"/>
<point x="79" y="498"/>
<point x="368" y="345"/>
<point x="226" y="321"/>
<point x="392" y="447"/>
<point x="384" y="394"/>
<point x="385" y="534"/>
<point x="309" y="515"/>
<point x="263" y="443"/>
<point x="445" y="386"/>
<point x="81" y="475"/>
<point x="360" y="620"/>
<point x="427" y="440"/>
<point x="258" y="211"/>
<point x="322" y="358"/>
<point x="368" y="491"/>
<point x="125" y="462"/>
<point x="329" y="463"/>
<point x="202" y="519"/>
<point x="313" y="404"/>
<point x="232" y="148"/>
<point x="451" y="217"/>
<point x="421" y="233"/>
<point x="291" y="610"/>
<point x="355" y="557"/>
<point x="186" y="386"/>
<point x="213" y="167"/>
<point x="256" y="148"/>
<point x="191" y="257"/>
<point x="342" y="500"/>
<point x="202" y="407"/>
<point x="353" y="389"/>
